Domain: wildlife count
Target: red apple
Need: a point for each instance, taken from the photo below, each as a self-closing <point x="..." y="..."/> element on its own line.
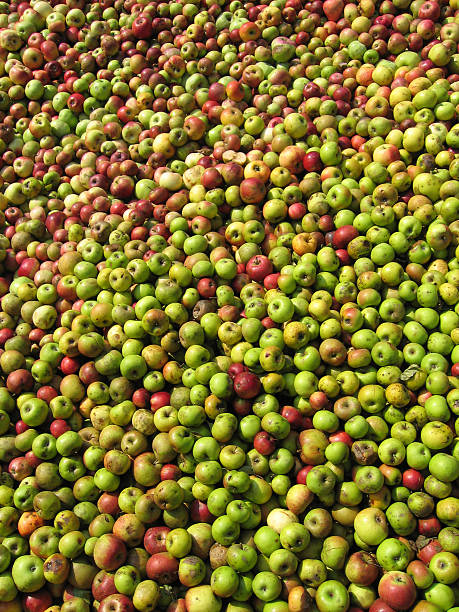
<point x="37" y="602"/>
<point x="398" y="590"/>
<point x="429" y="527"/>
<point x="103" y="585"/>
<point x="258" y="267"/>
<point x="247" y="385"/>
<point x="163" y="568"/>
<point x="343" y="235"/>
<point x="264" y="443"/>
<point x="413" y="480"/>
<point x="427" y="549"/>
<point x="154" y="539"/>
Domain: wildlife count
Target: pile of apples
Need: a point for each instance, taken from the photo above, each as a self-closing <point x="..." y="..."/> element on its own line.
<point x="229" y="306"/>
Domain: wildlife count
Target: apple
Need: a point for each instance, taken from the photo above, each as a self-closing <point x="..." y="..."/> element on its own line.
<point x="229" y="306"/>
<point x="397" y="589"/>
<point x="202" y="598"/>
<point x="332" y="595"/>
